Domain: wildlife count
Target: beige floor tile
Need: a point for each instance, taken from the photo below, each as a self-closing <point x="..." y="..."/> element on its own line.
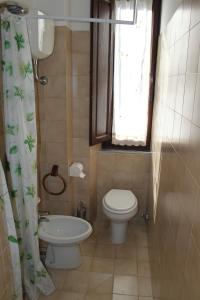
<point x="131" y="238"/>
<point x="71" y="296"/>
<point x="145" y="288"/>
<point x="143" y="254"/>
<point x="142" y="240"/>
<point x="54" y="296"/>
<point x="58" y="277"/>
<point x="146" y="298"/>
<point x="88" y="249"/>
<point x="104" y="238"/>
<point x="124" y="297"/>
<point x="98" y="297"/>
<point x="126" y="251"/>
<point x="100" y="283"/>
<point x="76" y="281"/>
<point x="105" y="251"/>
<point x="102" y="265"/>
<point x="144" y="269"/>
<point x="125" y="285"/>
<point x="125" y="267"/>
<point x="92" y="239"/>
<point x="58" y="295"/>
<point x="86" y="262"/>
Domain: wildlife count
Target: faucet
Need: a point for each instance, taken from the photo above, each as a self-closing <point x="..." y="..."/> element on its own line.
<point x="42" y="217"/>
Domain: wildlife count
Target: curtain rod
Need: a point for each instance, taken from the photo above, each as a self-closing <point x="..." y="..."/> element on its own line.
<point x="82" y="20"/>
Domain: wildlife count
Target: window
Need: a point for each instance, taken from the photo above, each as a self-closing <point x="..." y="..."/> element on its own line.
<point x="123" y="75"/>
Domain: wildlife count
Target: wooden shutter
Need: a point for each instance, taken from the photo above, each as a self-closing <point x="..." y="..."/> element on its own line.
<point x="102" y="61"/>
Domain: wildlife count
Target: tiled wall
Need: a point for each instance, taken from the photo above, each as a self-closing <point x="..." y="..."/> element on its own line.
<point x="174" y="231"/>
<point x="55" y="122"/>
<point x="84" y="189"/>
<point x="5" y="265"/>
<point x="123" y="170"/>
<point x="80" y="94"/>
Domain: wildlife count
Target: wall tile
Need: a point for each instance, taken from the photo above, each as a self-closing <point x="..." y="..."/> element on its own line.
<point x="174" y="193"/>
<point x="193" y="50"/>
<point x="188" y="103"/>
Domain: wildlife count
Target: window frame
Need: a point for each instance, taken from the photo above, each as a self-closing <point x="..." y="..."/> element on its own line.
<point x="156" y="18"/>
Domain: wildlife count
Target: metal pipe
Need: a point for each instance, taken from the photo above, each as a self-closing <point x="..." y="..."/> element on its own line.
<point x="43" y="80"/>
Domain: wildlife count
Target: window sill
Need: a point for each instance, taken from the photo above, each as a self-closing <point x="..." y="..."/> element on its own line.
<point x="110" y="151"/>
<point x="110" y="147"/>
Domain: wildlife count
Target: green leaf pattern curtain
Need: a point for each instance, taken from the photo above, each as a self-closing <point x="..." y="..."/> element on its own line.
<point x="21" y="150"/>
<point x="5" y="205"/>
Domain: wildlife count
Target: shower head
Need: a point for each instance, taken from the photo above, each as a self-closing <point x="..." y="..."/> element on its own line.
<point x="16" y="9"/>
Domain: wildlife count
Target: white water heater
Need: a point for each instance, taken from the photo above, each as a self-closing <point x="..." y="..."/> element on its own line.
<point x="42" y="36"/>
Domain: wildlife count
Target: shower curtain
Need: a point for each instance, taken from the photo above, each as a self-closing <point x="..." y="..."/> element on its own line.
<point x="5" y="205"/>
<point x="21" y="148"/>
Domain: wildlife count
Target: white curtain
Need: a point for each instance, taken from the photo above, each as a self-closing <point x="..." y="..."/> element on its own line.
<point x="21" y="150"/>
<point x="132" y="74"/>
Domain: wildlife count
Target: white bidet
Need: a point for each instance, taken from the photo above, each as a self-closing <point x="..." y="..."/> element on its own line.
<point x="64" y="234"/>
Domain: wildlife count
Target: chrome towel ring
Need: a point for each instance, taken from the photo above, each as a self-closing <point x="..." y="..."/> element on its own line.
<point x="54" y="173"/>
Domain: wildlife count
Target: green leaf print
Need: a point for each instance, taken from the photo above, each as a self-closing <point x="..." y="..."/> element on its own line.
<point x="17" y="224"/>
<point x="18" y="170"/>
<point x="34" y="167"/>
<point x="30" y="141"/>
<point x="13" y="194"/>
<point x="19" y="92"/>
<point x="14" y="297"/>
<point x="7" y="44"/>
<point x="1" y="202"/>
<point x="32" y="280"/>
<point x="3" y="63"/>
<point x="36" y="232"/>
<point x="11" y="129"/>
<point x="7" y="94"/>
<point x="30" y="191"/>
<point x="20" y="41"/>
<point x="26" y="224"/>
<point x="30" y="117"/>
<point x="9" y="69"/>
<point x="12" y="239"/>
<point x="26" y="69"/>
<point x="22" y="256"/>
<point x="29" y="256"/>
<point x="42" y="273"/>
<point x="13" y="150"/>
<point x="19" y="240"/>
<point x="5" y="25"/>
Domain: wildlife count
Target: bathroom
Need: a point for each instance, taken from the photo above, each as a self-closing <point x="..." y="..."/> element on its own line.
<point x="155" y="254"/>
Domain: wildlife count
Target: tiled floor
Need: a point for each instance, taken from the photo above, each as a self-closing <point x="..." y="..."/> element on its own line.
<point x="108" y="272"/>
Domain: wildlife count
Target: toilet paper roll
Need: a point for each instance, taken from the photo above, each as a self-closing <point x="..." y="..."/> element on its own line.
<point x="76" y="170"/>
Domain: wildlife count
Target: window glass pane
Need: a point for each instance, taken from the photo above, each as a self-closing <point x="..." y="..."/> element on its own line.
<point x="132" y="75"/>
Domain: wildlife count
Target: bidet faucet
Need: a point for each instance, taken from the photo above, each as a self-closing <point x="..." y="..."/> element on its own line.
<point x="43" y="219"/>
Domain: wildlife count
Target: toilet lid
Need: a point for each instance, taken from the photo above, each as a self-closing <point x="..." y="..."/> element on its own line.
<point x="120" y="200"/>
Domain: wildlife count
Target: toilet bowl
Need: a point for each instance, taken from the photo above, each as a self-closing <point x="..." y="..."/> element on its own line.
<point x="63" y="234"/>
<point x="120" y="206"/>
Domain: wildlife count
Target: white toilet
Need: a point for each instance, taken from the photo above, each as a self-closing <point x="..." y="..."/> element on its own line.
<point x="120" y="206"/>
<point x="64" y="234"/>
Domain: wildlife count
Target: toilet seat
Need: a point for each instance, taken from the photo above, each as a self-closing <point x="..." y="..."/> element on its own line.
<point x="120" y="201"/>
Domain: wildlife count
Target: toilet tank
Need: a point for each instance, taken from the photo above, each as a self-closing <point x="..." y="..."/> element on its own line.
<point x="41" y="35"/>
